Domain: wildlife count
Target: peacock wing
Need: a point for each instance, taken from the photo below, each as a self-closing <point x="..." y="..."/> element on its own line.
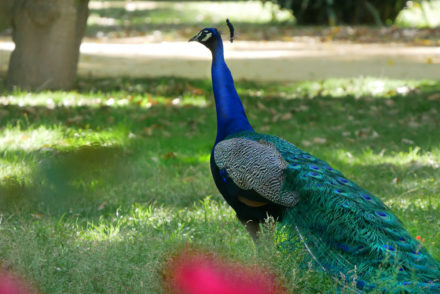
<point x="255" y="165"/>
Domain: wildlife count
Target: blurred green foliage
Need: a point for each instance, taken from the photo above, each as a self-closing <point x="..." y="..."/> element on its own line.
<point x="353" y="12"/>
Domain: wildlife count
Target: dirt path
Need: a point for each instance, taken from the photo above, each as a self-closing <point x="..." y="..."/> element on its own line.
<point x="269" y="61"/>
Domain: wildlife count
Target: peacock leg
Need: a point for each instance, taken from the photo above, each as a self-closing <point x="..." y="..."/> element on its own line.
<point x="253" y="228"/>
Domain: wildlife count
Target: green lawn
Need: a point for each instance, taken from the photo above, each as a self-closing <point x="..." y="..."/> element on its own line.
<point x="99" y="186"/>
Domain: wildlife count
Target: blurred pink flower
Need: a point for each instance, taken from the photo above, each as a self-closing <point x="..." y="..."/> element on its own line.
<point x="11" y="284"/>
<point x="196" y="273"/>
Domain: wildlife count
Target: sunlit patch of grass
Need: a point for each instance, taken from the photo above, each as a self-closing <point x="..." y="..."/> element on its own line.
<point x="413" y="157"/>
<point x="53" y="100"/>
<point x="58" y="137"/>
<point x="407" y="203"/>
<point x="358" y="87"/>
<point x="50" y="99"/>
<point x="15" y="138"/>
<point x="126" y="224"/>
<point x="18" y="169"/>
<point x="102" y="232"/>
<point x="200" y="158"/>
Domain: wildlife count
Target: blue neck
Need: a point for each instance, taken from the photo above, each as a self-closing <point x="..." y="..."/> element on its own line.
<point x="231" y="117"/>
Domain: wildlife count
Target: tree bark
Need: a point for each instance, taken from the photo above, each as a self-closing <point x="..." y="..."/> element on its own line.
<point x="47" y="36"/>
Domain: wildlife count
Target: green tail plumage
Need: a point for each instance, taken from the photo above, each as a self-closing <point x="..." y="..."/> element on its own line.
<point x="347" y="231"/>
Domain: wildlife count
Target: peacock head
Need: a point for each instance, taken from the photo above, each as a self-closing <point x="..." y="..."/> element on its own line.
<point x="208" y="37"/>
<point x="211" y="36"/>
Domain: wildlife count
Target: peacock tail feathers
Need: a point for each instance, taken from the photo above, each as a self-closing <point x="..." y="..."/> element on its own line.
<point x="347" y="231"/>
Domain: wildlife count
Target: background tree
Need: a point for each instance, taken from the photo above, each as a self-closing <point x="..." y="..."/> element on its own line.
<point x="352" y="12"/>
<point x="47" y="36"/>
<point x="5" y="13"/>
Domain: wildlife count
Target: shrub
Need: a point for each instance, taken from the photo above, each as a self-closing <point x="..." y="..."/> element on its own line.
<point x="352" y="12"/>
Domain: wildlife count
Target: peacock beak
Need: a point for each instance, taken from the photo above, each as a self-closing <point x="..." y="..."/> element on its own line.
<point x="194" y="38"/>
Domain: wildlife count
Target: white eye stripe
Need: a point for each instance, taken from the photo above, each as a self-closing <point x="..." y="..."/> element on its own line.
<point x="208" y="35"/>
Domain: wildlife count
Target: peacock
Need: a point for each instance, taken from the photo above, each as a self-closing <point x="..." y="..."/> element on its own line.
<point x="346" y="231"/>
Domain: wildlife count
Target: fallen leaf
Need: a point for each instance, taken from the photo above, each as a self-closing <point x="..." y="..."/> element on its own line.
<point x="148" y="131"/>
<point x="306" y="143"/>
<point x="276" y="118"/>
<point x="407" y="141"/>
<point x="286" y="116"/>
<point x="74" y="120"/>
<point x="102" y="205"/>
<point x="28" y="110"/>
<point x="374" y="135"/>
<point x="413" y="124"/>
<point x="3" y="113"/>
<point x="319" y="140"/>
<point x="302" y="108"/>
<point x="194" y="90"/>
<point x="261" y="106"/>
<point x="389" y="102"/>
<point x="169" y="155"/>
<point x="362" y="132"/>
<point x="434" y="97"/>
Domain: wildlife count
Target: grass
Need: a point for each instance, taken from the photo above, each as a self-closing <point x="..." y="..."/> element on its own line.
<point x="101" y="185"/>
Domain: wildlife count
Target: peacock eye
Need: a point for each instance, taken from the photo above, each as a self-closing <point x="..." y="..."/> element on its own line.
<point x="206" y="37"/>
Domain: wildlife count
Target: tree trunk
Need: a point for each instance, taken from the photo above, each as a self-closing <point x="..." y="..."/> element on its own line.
<point x="47" y="36"/>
